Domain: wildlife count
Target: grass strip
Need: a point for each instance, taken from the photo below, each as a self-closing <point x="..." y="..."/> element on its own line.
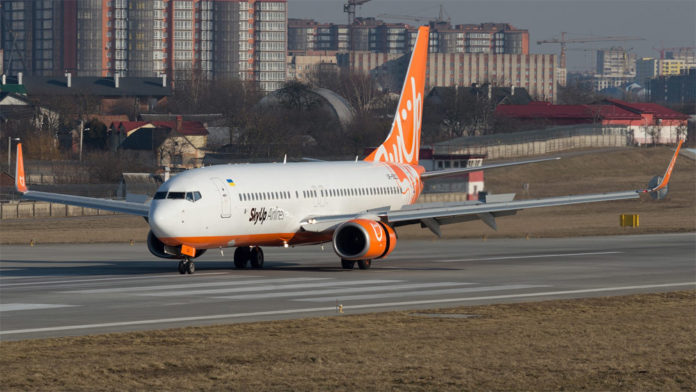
<point x="636" y="342"/>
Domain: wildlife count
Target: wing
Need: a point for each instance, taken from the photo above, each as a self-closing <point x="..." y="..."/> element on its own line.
<point x="433" y="215"/>
<point x="81" y="201"/>
<point x="452" y="172"/>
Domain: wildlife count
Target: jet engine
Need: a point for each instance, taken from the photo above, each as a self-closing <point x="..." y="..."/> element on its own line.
<point x="363" y="239"/>
<point x="159" y="249"/>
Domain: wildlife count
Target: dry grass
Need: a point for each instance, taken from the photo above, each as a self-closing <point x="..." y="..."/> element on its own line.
<point x="640" y="342"/>
<point x="589" y="172"/>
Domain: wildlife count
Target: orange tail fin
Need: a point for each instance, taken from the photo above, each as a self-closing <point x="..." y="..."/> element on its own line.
<point x="20" y="179"/>
<point x="403" y="143"/>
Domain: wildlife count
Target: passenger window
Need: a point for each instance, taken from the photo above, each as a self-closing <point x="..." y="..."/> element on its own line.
<point x="160" y="195"/>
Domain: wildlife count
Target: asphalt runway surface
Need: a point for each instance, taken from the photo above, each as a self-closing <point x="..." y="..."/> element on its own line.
<point x="68" y="290"/>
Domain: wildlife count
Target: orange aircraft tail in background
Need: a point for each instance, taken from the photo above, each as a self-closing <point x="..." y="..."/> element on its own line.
<point x="20" y="179"/>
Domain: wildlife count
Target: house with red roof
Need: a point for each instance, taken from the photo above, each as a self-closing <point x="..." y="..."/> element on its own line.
<point x="178" y="144"/>
<point x="647" y="122"/>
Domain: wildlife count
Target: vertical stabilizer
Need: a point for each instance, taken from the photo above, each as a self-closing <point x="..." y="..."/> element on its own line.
<point x="403" y="143"/>
<point x="20" y="180"/>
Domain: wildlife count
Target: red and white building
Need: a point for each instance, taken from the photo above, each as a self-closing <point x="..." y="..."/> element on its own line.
<point x="647" y="122"/>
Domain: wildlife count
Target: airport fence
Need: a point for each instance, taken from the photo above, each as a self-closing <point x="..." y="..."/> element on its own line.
<point x="540" y="142"/>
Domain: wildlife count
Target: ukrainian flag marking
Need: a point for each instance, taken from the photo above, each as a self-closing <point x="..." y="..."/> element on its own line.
<point x="230" y="182"/>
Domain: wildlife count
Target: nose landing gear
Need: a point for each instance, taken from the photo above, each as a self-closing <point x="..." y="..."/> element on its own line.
<point x="186" y="266"/>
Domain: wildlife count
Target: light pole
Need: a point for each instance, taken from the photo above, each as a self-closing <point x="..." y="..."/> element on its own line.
<point x="9" y="152"/>
<point x="82" y="132"/>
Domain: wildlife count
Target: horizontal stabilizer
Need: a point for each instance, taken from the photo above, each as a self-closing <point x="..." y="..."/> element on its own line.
<point x="454" y="172"/>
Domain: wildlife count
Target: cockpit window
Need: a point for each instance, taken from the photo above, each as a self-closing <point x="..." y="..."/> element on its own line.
<point x="193" y="196"/>
<point x="175" y="195"/>
<point x="160" y="195"/>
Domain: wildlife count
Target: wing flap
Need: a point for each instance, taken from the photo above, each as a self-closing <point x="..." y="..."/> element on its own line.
<point x="451" y="214"/>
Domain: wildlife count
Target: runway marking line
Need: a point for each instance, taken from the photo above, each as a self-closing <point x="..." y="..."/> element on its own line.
<point x="191" y="285"/>
<point x="49" y="282"/>
<point x="530" y="256"/>
<point x="333" y="308"/>
<point x="350" y="290"/>
<point x="23" y="306"/>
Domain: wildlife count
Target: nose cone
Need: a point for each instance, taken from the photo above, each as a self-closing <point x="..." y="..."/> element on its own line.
<point x="163" y="220"/>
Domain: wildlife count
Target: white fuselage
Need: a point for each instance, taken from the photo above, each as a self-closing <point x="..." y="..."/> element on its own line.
<point x="265" y="204"/>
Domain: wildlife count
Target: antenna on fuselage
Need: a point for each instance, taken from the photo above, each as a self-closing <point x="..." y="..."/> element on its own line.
<point x="285" y="159"/>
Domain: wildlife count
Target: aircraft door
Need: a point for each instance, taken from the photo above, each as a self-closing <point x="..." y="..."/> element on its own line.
<point x="225" y="197"/>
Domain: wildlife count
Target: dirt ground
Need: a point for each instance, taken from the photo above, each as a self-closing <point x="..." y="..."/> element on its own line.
<point x="632" y="343"/>
<point x="577" y="173"/>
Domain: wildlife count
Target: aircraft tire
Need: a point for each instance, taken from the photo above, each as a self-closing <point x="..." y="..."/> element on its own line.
<point x="347" y="264"/>
<point x="364" y="264"/>
<point x="190" y="266"/>
<point x="241" y="257"/>
<point x="181" y="267"/>
<point x="256" y="258"/>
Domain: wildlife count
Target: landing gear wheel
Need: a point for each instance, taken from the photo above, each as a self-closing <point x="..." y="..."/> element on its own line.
<point x="190" y="266"/>
<point x="347" y="264"/>
<point x="241" y="257"/>
<point x="256" y="257"/>
<point x="364" y="264"/>
<point x="186" y="266"/>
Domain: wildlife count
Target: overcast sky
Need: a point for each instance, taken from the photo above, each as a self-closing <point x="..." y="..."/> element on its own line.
<point x="667" y="23"/>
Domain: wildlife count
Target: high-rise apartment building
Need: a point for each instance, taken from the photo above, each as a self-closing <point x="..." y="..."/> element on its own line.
<point x="369" y="34"/>
<point x="218" y="38"/>
<point x="534" y="72"/>
<point x="615" y="68"/>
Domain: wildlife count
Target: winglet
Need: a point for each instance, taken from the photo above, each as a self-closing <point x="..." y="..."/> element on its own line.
<point x="661" y="183"/>
<point x="20" y="179"/>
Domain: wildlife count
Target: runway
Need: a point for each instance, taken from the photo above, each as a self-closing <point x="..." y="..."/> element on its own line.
<point x="67" y="290"/>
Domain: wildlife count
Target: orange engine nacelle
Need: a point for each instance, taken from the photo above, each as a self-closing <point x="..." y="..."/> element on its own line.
<point x="363" y="239"/>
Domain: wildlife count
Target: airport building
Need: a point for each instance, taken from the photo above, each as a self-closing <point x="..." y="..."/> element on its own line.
<point x="145" y="38"/>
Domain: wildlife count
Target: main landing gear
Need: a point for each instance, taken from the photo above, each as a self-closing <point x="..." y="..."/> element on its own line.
<point x="350" y="264"/>
<point x="186" y="266"/>
<point x="252" y="255"/>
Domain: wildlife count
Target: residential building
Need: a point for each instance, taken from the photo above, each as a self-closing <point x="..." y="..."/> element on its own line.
<point x="676" y="89"/>
<point x="300" y="67"/>
<point x="646" y="69"/>
<point x="177" y="143"/>
<point x="145" y="38"/>
<point x="374" y="35"/>
<point x="534" y="72"/>
<point x="615" y="68"/>
<point x="687" y="55"/>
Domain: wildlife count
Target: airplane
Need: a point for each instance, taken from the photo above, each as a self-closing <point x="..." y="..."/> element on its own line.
<point x="355" y="205"/>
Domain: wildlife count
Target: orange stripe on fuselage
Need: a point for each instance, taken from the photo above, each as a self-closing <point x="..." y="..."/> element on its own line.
<point x="272" y="239"/>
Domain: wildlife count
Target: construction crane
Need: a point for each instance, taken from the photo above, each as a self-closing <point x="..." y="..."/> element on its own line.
<point x="565" y="41"/>
<point x="440" y="18"/>
<point x="349" y="8"/>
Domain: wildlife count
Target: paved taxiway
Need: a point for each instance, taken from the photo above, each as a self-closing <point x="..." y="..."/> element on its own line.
<point x="62" y="290"/>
